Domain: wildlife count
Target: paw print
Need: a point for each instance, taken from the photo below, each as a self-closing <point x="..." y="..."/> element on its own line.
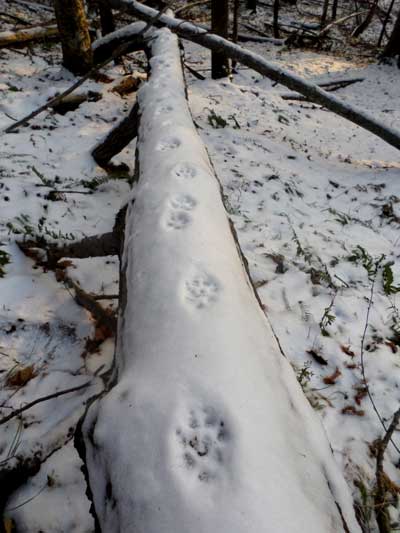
<point x="201" y="291"/>
<point x="202" y="443"/>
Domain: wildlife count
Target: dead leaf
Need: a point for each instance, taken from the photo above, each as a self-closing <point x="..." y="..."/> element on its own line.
<point x="128" y="85"/>
<point x="392" y="346"/>
<point x="331" y="380"/>
<point x="9" y="525"/>
<point x="347" y="351"/>
<point x="362" y="391"/>
<point x="21" y="376"/>
<point x="351" y="410"/>
<point x="66" y="263"/>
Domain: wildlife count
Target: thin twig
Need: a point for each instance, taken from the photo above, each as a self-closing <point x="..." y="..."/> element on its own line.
<point x="17" y="412"/>
<point x="28" y="500"/>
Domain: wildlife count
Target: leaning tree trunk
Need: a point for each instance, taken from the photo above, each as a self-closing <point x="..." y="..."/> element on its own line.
<point x="220" y="26"/>
<point x="74" y="33"/>
<point x="266" y="68"/>
<point x="392" y="48"/>
<point x="205" y="428"/>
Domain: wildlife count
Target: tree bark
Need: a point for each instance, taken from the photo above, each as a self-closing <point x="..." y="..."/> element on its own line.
<point x="259" y="64"/>
<point x="74" y="33"/>
<point x="220" y="26"/>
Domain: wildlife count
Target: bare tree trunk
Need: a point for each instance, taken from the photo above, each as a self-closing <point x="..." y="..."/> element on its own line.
<point x="387" y="17"/>
<point x="392" y="48"/>
<point x="235" y="30"/>
<point x="259" y="64"/>
<point x="106" y="18"/>
<point x="276" y="19"/>
<point x="324" y="14"/>
<point x="334" y="9"/>
<point x="366" y="22"/>
<point x="220" y="26"/>
<point x="74" y="33"/>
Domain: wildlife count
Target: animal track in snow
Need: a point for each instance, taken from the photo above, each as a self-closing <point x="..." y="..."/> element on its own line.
<point x="168" y="144"/>
<point x="202" y="290"/>
<point x="183" y="201"/>
<point x="184" y="171"/>
<point x="178" y="219"/>
<point x="203" y="442"/>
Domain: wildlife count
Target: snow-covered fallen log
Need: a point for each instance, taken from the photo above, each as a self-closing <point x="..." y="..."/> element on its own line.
<point x="266" y="68"/>
<point x="205" y="428"/>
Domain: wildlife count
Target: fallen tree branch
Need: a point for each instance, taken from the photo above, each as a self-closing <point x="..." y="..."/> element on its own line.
<point x="104" y="317"/>
<point x="117" y="139"/>
<point x="263" y="37"/>
<point x="266" y="68"/>
<point x="93" y="246"/>
<point x="180" y="10"/>
<point x="15" y="38"/>
<point x="29" y="405"/>
<point x="131" y="36"/>
<point x="329" y="86"/>
<point x="329" y="26"/>
<point x="32" y="6"/>
<point x="15" y="18"/>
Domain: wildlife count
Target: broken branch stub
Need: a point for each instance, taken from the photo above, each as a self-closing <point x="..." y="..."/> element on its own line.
<point x="205" y="427"/>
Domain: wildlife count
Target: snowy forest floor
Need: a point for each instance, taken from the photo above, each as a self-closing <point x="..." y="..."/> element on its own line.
<point x="316" y="204"/>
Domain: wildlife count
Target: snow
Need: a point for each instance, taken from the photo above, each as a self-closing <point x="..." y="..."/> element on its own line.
<point x="285" y="168"/>
<point x="207" y="428"/>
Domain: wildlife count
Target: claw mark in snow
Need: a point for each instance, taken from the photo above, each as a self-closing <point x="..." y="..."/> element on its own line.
<point x="202" y="290"/>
